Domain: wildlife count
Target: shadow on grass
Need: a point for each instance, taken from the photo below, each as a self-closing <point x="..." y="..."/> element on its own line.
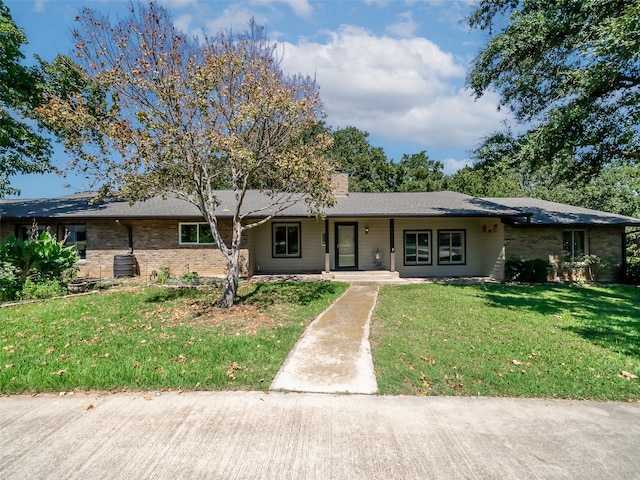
<point x="169" y="294"/>
<point x="607" y="317"/>
<point x="297" y="293"/>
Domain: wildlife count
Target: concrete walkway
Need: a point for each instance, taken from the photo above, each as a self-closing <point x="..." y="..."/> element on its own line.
<point x="333" y="355"/>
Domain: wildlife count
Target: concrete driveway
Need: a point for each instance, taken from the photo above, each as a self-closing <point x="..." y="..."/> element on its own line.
<point x="256" y="435"/>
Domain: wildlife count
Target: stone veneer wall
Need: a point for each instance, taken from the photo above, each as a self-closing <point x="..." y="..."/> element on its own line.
<point x="528" y="243"/>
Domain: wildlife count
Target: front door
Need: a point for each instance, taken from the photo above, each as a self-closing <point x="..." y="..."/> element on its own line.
<point x="347" y="246"/>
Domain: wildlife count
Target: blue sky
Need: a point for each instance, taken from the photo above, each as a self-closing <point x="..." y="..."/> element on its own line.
<point x="393" y="68"/>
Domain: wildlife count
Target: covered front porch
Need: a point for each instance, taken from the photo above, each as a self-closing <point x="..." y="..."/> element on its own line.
<point x="382" y="248"/>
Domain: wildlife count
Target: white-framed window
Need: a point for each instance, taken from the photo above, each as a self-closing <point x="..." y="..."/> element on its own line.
<point x="417" y="247"/>
<point x="451" y="247"/>
<point x="574" y="243"/>
<point x="195" y="234"/>
<point x="77" y="236"/>
<point x="286" y="239"/>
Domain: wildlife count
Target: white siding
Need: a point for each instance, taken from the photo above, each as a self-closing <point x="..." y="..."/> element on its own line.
<point x="311" y="250"/>
<point x="484" y="245"/>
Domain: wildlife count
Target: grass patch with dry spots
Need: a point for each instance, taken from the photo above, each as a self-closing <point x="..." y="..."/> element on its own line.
<point x="502" y="340"/>
<point x="156" y="338"/>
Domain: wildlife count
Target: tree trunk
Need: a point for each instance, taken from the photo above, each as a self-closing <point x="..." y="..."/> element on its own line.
<point x="233" y="272"/>
<point x="230" y="288"/>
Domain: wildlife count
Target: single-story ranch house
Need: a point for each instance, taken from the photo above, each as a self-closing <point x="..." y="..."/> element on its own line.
<point x="434" y="234"/>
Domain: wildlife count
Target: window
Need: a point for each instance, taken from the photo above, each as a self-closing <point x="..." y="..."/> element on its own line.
<point x="286" y="240"/>
<point x="77" y="236"/>
<point x="451" y="247"/>
<point x="574" y="243"/>
<point x="24" y="232"/>
<point x="196" y="234"/>
<point x="417" y="247"/>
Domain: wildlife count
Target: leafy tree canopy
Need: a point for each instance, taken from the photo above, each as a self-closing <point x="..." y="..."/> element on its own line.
<point x="23" y="149"/>
<point x="418" y="173"/>
<point x="569" y="70"/>
<point x="368" y="167"/>
<point x="149" y="111"/>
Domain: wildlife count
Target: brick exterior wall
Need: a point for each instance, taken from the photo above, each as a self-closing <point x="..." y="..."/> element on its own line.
<point x="155" y="245"/>
<point x="529" y="243"/>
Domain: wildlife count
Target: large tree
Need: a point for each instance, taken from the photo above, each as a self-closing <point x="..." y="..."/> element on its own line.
<point x="418" y="173"/>
<point x="159" y="113"/>
<point x="23" y="148"/>
<point x="569" y="70"/>
<point x="368" y="167"/>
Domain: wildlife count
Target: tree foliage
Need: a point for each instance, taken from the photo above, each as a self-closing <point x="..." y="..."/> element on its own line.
<point x="23" y="148"/>
<point x="418" y="173"/>
<point x="368" y="167"/>
<point x="569" y="70"/>
<point x="39" y="263"/>
<point x="152" y="112"/>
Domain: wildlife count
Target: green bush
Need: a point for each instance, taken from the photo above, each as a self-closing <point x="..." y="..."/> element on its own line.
<point x="40" y="266"/>
<point x="162" y="276"/>
<point x="45" y="288"/>
<point x="9" y="284"/>
<point x="534" y="271"/>
<point x="633" y="273"/>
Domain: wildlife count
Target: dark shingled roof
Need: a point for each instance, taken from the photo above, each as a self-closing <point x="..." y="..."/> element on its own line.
<point x="543" y="212"/>
<point x="425" y="204"/>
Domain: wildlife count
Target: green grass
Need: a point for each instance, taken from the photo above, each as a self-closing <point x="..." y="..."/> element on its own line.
<point x="156" y="338"/>
<point x="497" y="340"/>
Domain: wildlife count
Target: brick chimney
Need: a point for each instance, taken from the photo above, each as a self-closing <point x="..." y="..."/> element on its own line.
<point x="340" y="183"/>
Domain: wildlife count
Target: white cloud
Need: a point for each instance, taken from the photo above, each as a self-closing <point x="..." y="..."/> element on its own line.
<point x="404" y="27"/>
<point x="406" y="90"/>
<point x="451" y="165"/>
<point x="301" y="8"/>
<point x="236" y="16"/>
<point x="183" y="22"/>
<point x="178" y="3"/>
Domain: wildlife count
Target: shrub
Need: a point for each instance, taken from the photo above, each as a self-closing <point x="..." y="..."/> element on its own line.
<point x="534" y="271"/>
<point x="191" y="278"/>
<point x="162" y="276"/>
<point x="46" y="288"/>
<point x="9" y="284"/>
<point x="39" y="266"/>
<point x="633" y="273"/>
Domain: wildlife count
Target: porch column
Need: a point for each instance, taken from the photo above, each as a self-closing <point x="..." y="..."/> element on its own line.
<point x="327" y="257"/>
<point x="392" y="246"/>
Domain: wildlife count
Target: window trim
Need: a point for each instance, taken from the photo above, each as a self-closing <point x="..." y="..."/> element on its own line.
<point x="62" y="230"/>
<point x="450" y="231"/>
<point x="417" y="263"/>
<point x="274" y="226"/>
<point x="197" y="242"/>
<point x="571" y="254"/>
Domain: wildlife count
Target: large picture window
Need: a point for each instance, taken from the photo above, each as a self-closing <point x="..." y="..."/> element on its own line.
<point x="574" y="243"/>
<point x="451" y="247"/>
<point x="286" y="240"/>
<point x="196" y="234"/>
<point x="417" y="247"/>
<point x="77" y="236"/>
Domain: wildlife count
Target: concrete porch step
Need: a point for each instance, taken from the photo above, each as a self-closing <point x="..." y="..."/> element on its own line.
<point x="368" y="276"/>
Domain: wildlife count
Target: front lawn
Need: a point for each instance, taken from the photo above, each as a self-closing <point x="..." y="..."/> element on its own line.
<point x="156" y="338"/>
<point x="498" y="340"/>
